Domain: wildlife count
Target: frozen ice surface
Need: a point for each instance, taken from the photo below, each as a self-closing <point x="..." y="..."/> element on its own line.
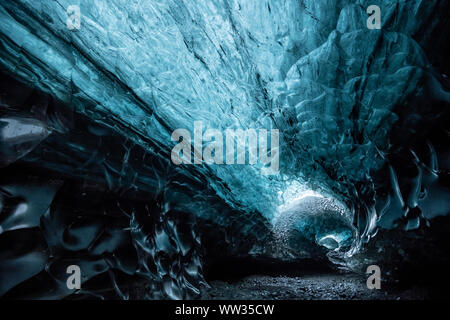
<point x="348" y="102"/>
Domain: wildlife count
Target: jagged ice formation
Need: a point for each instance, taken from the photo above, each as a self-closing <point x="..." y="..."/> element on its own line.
<point x="362" y="116"/>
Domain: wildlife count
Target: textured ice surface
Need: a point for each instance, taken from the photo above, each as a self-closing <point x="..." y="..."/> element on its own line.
<point x="348" y="102"/>
<point x="310" y="222"/>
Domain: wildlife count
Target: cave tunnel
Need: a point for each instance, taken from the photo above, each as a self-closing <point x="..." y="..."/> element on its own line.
<point x="88" y="116"/>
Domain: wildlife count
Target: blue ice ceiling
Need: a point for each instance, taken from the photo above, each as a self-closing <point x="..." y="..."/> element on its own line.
<point x="312" y="69"/>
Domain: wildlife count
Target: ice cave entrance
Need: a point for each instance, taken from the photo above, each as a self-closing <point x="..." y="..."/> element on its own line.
<point x="309" y="220"/>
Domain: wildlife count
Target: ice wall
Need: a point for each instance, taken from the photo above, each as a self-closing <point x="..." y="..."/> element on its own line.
<point x="349" y="102"/>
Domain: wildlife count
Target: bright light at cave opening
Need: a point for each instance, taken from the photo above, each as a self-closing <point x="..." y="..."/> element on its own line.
<point x="332" y="238"/>
<point x="295" y="191"/>
<point x="330" y="242"/>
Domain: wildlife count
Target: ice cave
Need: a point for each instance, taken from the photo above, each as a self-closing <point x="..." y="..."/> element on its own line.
<point x="87" y="113"/>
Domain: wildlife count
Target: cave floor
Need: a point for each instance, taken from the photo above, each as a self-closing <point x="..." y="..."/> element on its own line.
<point x="308" y="287"/>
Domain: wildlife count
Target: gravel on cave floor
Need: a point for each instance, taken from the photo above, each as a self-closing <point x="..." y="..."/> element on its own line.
<point x="309" y="287"/>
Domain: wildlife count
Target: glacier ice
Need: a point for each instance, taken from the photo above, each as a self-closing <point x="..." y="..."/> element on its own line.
<point x="96" y="107"/>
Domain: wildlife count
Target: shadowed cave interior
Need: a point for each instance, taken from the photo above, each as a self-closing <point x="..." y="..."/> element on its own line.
<point x="86" y="179"/>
